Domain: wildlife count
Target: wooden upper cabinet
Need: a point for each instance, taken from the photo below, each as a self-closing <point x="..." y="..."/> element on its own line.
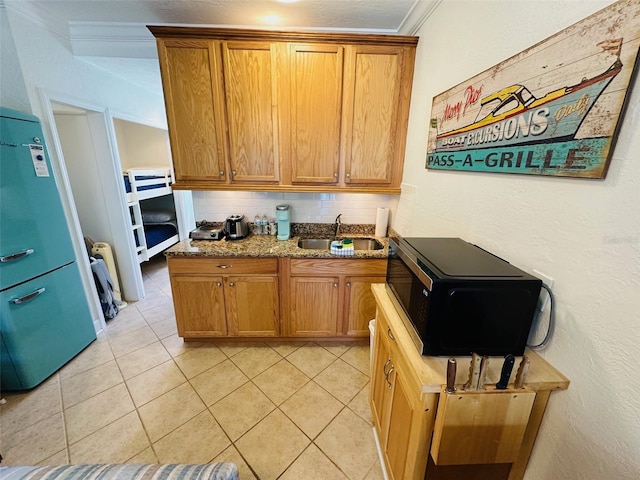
<point x="286" y="111"/>
<point x="195" y="113"/>
<point x="252" y="111"/>
<point x="373" y="113"/>
<point x="315" y="94"/>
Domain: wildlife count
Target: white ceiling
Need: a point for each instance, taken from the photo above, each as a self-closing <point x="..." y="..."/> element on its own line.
<point x="112" y="34"/>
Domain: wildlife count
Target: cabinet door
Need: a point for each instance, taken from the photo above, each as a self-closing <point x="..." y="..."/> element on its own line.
<point x="372" y="114"/>
<point x="195" y="112"/>
<point x="251" y="101"/>
<point x="360" y="305"/>
<point x="252" y="306"/>
<point x="199" y="305"/>
<point x="398" y="438"/>
<point x="380" y="385"/>
<point x="314" y="306"/>
<point x="315" y="117"/>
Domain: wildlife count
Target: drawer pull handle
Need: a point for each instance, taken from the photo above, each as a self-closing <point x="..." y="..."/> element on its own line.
<point x="348" y="284"/>
<point x="389" y="384"/>
<point x="16" y="256"/>
<point x="384" y="368"/>
<point x="335" y="285"/>
<point x="221" y="172"/>
<point x="26" y="298"/>
<point x="390" y="335"/>
<point x="218" y="284"/>
<point x="224" y="266"/>
<point x="232" y="284"/>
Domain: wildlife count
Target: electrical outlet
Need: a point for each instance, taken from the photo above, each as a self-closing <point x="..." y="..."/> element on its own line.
<point x="543" y="301"/>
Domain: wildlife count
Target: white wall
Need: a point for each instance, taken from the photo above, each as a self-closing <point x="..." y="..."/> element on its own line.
<point x="583" y="233"/>
<point x="141" y="145"/>
<point x="305" y="207"/>
<point x="13" y="93"/>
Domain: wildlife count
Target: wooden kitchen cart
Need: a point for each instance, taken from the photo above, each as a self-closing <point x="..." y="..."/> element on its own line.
<point x="424" y="433"/>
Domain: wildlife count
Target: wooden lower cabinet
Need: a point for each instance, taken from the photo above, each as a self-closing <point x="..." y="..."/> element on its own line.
<point x="271" y="297"/>
<point x="199" y="304"/>
<point x="412" y="414"/>
<point x="331" y="298"/>
<point x="314" y="306"/>
<point x="210" y="304"/>
<point x="400" y="410"/>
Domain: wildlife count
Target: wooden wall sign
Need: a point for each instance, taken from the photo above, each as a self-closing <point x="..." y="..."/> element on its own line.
<point x="554" y="109"/>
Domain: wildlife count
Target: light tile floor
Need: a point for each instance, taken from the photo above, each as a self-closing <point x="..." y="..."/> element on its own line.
<point x="140" y="394"/>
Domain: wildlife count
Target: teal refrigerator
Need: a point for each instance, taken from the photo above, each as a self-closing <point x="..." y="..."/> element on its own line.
<point x="45" y="318"/>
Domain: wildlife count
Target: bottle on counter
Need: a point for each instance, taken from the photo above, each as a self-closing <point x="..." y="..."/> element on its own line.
<point x="264" y="223"/>
<point x="257" y="225"/>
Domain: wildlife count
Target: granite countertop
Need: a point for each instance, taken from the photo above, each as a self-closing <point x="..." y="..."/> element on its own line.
<point x="267" y="246"/>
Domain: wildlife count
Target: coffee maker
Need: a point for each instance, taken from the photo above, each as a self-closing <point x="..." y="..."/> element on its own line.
<point x="282" y="215"/>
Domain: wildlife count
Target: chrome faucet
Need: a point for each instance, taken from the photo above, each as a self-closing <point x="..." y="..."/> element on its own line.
<point x="337" y="225"/>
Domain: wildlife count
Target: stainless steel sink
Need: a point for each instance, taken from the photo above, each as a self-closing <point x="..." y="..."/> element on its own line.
<point x="314" y="243"/>
<point x="367" y="244"/>
<point x="325" y="243"/>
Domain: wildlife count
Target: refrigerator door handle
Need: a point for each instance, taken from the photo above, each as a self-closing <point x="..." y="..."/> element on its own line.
<point x="16" y="256"/>
<point x="26" y="298"/>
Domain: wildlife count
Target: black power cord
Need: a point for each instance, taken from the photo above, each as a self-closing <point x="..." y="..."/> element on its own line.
<point x="551" y="325"/>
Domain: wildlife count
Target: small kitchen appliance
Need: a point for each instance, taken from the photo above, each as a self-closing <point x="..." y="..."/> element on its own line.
<point x="282" y="214"/>
<point x="456" y="298"/>
<point x="207" y="231"/>
<point x="236" y="227"/>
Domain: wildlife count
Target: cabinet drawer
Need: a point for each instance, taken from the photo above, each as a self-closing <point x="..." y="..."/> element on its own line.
<point x="310" y="266"/>
<point x="223" y="266"/>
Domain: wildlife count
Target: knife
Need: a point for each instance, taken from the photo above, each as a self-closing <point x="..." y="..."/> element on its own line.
<point x="507" y="366"/>
<point x="482" y="378"/>
<point x="523" y="369"/>
<point x="451" y="375"/>
<point x="474" y="373"/>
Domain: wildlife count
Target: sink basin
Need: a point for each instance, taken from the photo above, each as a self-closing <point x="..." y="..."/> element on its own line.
<point x="314" y="243"/>
<point x="367" y="244"/>
<point x="325" y="243"/>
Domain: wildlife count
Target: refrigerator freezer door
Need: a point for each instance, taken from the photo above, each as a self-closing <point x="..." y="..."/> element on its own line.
<point x="34" y="236"/>
<point x="43" y="324"/>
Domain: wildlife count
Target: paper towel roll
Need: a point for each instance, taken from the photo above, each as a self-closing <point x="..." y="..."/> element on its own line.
<point x="382" y="219"/>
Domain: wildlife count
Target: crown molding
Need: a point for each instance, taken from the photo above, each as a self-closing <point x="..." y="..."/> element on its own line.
<point x="416" y="17"/>
<point x="112" y="39"/>
<point x="40" y="17"/>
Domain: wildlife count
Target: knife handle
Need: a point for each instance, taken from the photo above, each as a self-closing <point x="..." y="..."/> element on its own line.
<point x="507" y="367"/>
<point x="451" y="375"/>
<point x="474" y="371"/>
<point x="523" y="369"/>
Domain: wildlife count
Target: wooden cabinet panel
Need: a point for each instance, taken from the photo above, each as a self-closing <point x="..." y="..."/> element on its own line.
<point x="314" y="306"/>
<point x="380" y="391"/>
<point x="199" y="305"/>
<point x="360" y="305"/>
<point x="219" y="266"/>
<point x="294" y="111"/>
<point x="191" y="83"/>
<point x="399" y="430"/>
<point x="251" y="101"/>
<point x="344" y="266"/>
<point x="371" y="113"/>
<point x="252" y="306"/>
<point x="315" y="116"/>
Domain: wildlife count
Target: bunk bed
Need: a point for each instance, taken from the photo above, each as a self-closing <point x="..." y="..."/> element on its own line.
<point x="155" y="227"/>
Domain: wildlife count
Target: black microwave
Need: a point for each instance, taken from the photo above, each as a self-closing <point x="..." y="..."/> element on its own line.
<point x="457" y="298"/>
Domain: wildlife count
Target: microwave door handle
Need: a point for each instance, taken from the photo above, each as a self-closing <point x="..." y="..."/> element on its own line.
<point x="413" y="266"/>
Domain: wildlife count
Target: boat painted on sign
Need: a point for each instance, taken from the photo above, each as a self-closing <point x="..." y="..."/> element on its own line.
<point x="516" y="117"/>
